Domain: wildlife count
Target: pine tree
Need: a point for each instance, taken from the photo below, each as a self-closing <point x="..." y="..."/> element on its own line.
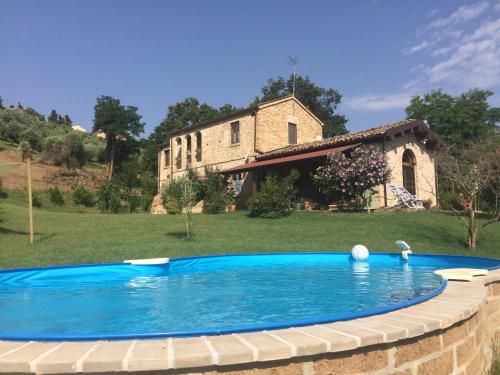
<point x="53" y="116"/>
<point x="67" y="120"/>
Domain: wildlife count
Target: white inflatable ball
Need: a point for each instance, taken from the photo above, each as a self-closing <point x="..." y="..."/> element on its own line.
<point x="360" y="252"/>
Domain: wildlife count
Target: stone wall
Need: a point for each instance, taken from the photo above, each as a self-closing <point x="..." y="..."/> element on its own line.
<point x="217" y="150"/>
<point x="272" y="125"/>
<point x="425" y="178"/>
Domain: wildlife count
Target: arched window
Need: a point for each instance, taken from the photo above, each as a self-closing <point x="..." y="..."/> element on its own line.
<point x="178" y="158"/>
<point x="198" y="146"/>
<point x="409" y="163"/>
<point x="188" y="149"/>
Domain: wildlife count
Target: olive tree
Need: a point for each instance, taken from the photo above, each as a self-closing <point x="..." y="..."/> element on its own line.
<point x="475" y="171"/>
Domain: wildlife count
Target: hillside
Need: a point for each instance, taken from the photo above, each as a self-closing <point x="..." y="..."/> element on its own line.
<point x="43" y="175"/>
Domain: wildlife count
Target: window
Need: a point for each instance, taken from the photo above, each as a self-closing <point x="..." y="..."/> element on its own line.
<point x="188" y="149"/>
<point x="409" y="162"/>
<point x="292" y="133"/>
<point x="178" y="158"/>
<point x="235" y="132"/>
<point x="198" y="146"/>
<point x="166" y="156"/>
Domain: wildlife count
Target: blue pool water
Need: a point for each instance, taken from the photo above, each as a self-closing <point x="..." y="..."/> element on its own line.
<point x="207" y="295"/>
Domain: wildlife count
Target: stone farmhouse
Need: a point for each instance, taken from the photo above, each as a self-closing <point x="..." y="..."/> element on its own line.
<point x="278" y="135"/>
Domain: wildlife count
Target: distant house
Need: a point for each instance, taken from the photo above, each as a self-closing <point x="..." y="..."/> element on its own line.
<point x="276" y="136"/>
<point x="78" y="128"/>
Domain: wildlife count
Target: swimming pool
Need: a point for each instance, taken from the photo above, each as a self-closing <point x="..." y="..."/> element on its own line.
<point x="214" y="294"/>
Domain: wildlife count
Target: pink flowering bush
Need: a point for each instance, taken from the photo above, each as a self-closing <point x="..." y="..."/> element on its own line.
<point x="354" y="175"/>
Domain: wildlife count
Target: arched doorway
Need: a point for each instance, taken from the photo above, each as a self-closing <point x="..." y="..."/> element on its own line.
<point x="409" y="163"/>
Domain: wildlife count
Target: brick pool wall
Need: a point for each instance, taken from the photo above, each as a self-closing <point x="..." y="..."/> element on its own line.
<point x="464" y="348"/>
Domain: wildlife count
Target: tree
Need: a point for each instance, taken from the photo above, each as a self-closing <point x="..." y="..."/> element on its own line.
<point x="67" y="120"/>
<point x="183" y="115"/>
<point x="53" y="117"/>
<point x="118" y="122"/>
<point x="474" y="170"/>
<point x="19" y="105"/>
<point x="457" y="120"/>
<point x="180" y="196"/>
<point x="67" y="150"/>
<point x="32" y="112"/>
<point x="1" y="103"/>
<point x="321" y="101"/>
<point x="354" y="175"/>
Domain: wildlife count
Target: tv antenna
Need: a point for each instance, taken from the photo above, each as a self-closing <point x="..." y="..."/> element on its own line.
<point x="293" y="61"/>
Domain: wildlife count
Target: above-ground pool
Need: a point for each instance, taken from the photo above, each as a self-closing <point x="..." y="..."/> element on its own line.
<point x="214" y="294"/>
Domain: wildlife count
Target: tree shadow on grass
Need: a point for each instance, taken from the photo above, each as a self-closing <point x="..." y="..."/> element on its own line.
<point x="12" y="231"/>
<point x="438" y="236"/>
<point x="39" y="237"/>
<point x="178" y="234"/>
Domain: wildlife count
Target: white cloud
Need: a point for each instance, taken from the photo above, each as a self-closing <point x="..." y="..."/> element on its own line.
<point x="419" y="47"/>
<point x="378" y="102"/>
<point x="463" y="14"/>
<point x="462" y="51"/>
<point x="473" y="61"/>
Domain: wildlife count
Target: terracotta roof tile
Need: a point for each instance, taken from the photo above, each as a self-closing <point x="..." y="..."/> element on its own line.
<point x="376" y="132"/>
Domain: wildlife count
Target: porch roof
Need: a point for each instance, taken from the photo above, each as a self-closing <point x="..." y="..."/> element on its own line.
<point x="288" y="159"/>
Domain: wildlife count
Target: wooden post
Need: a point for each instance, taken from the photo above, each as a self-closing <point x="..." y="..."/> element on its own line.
<point x="30" y="197"/>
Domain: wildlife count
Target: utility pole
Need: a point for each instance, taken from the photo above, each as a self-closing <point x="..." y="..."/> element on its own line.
<point x="30" y="196"/>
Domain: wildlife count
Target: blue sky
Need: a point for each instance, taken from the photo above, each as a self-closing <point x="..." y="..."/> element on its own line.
<point x="63" y="54"/>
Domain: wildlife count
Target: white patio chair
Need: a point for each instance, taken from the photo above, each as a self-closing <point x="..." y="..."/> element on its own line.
<point x="405" y="198"/>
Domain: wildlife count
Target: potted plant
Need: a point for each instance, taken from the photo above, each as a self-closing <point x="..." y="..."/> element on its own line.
<point x="308" y="205"/>
<point x="230" y="199"/>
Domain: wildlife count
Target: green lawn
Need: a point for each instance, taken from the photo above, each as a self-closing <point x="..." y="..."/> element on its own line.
<point x="64" y="237"/>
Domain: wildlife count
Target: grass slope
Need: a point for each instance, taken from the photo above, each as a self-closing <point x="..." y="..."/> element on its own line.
<point x="65" y="238"/>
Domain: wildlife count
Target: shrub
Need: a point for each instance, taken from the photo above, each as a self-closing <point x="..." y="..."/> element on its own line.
<point x="217" y="193"/>
<point x="56" y="196"/>
<point x="3" y="193"/>
<point x="146" y="201"/>
<point x="274" y="199"/>
<point x="353" y="175"/>
<point x="133" y="198"/>
<point x="172" y="197"/>
<point x="109" y="197"/>
<point x="82" y="196"/>
<point x="449" y="200"/>
<point x="36" y="199"/>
